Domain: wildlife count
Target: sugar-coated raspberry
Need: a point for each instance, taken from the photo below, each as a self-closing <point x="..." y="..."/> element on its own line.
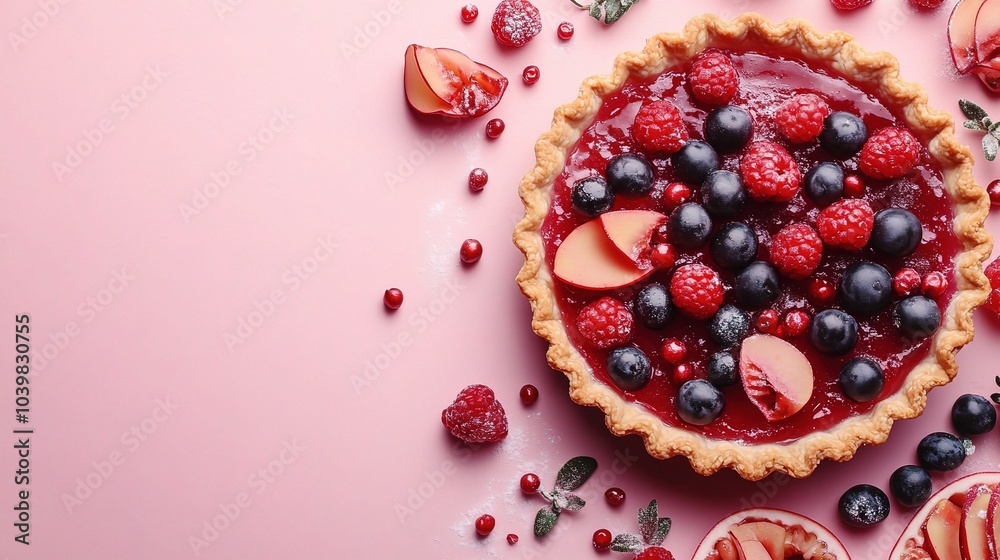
<point x="515" y="22"/>
<point x="800" y="118"/>
<point x="796" y="251"/>
<point x="713" y="78"/>
<point x="605" y="323"/>
<point x="890" y="153"/>
<point x="770" y="172"/>
<point x="659" y="127"/>
<point x="846" y="224"/>
<point x="993" y="273"/>
<point x="927" y="4"/>
<point x="697" y="290"/>
<point x="476" y="416"/>
<point x="905" y="282"/>
<point x="849" y="4"/>
<point x="655" y="553"/>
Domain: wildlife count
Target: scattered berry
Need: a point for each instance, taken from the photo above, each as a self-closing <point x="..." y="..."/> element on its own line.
<point x="602" y="539"/>
<point x="592" y="196"/>
<point x="822" y="291"/>
<point x="865" y="289"/>
<point x="994" y="191"/>
<point x="800" y="118"/>
<point x="861" y="380"/>
<point x="927" y="4"/>
<point x="734" y="246"/>
<point x="699" y="402"/>
<point x="529" y="394"/>
<point x="655" y="553"/>
<point x="694" y="161"/>
<point x="531" y="74"/>
<point x="729" y="326"/>
<point x="889" y="154"/>
<point x="770" y="173"/>
<point x="675" y="194"/>
<point x="629" y="368"/>
<point x="849" y="4"/>
<point x="683" y="373"/>
<point x="605" y="323"/>
<point x="565" y="31"/>
<point x="515" y="22"/>
<point x="917" y="317"/>
<point x="940" y="451"/>
<point x="393" y="298"/>
<point x="934" y="284"/>
<point x="795" y="323"/>
<point x="653" y="307"/>
<point x="757" y="285"/>
<point x="854" y="187"/>
<point x="723" y="194"/>
<point x="825" y="183"/>
<point x="843" y="134"/>
<point x="906" y="282"/>
<point x="896" y="232"/>
<point x="530" y="483"/>
<point x="495" y="128"/>
<point x="696" y="290"/>
<point x="796" y="251"/>
<point x="723" y="371"/>
<point x="469" y="13"/>
<point x="476" y="416"/>
<point x="663" y="255"/>
<point x="659" y="127"/>
<point x="993" y="275"/>
<point x="973" y="415"/>
<point x="728" y="129"/>
<point x="689" y="226"/>
<point x="863" y="505"/>
<point x="629" y="174"/>
<point x="846" y="224"/>
<point x="713" y="78"/>
<point x="471" y="251"/>
<point x="674" y="351"/>
<point x="833" y="332"/>
<point x="767" y="321"/>
<point x="511" y="539"/>
<point x="614" y="496"/>
<point x="910" y="485"/>
<point x="485" y="524"/>
<point x="478" y="179"/>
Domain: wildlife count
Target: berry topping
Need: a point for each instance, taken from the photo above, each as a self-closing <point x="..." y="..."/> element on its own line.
<point x="728" y="129"/>
<point x="629" y="368"/>
<point x="476" y="416"/>
<point x="800" y="119"/>
<point x="896" y="232"/>
<point x="530" y="483"/>
<point x="729" y="326"/>
<point x="615" y="496"/>
<point x="795" y="323"/>
<point x="849" y="4"/>
<point x="683" y="373"/>
<point x="605" y="323"/>
<point x="673" y="351"/>
<point x="675" y="194"/>
<point x="722" y="370"/>
<point x="659" y="127"/>
<point x="861" y="380"/>
<point x="663" y="255"/>
<point x="906" y="282"/>
<point x="767" y="321"/>
<point x="973" y="415"/>
<point x="494" y="128"/>
<point x="592" y="196"/>
<point x="863" y="505"/>
<point x="722" y="194"/>
<point x="734" y="246"/>
<point x="822" y="292"/>
<point x="531" y="74"/>
<point x="477" y="179"/>
<point x="393" y="298"/>
<point x="469" y="13"/>
<point x="696" y="290"/>
<point x="910" y="485"/>
<point x="511" y="539"/>
<point x="833" y="332"/>
<point x="940" y="451"/>
<point x="471" y="251"/>
<point x="777" y="377"/>
<point x="843" y="134"/>
<point x="713" y="78"/>
<point x="653" y="307"/>
<point x="515" y="22"/>
<point x="694" y="161"/>
<point x="770" y="172"/>
<point x="699" y="402"/>
<point x="846" y="224"/>
<point x="757" y="285"/>
<point x="629" y="174"/>
<point x="565" y="31"/>
<point x="825" y="183"/>
<point x="485" y="524"/>
<point x="689" y="226"/>
<point x="854" y="187"/>
<point x="796" y="251"/>
<point x="934" y="284"/>
<point x="602" y="539"/>
<point x="865" y="289"/>
<point x="889" y="154"/>
<point x="917" y="317"/>
<point x="529" y="394"/>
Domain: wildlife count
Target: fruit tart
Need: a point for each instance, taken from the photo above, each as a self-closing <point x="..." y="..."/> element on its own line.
<point x="754" y="245"/>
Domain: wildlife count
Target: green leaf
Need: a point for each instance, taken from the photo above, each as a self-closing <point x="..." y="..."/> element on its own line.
<point x="990" y="147"/>
<point x="615" y="9"/>
<point x="559" y="501"/>
<point x="575" y="472"/>
<point x="971" y="110"/>
<point x="595" y="10"/>
<point x="545" y="520"/>
<point x="973" y="125"/>
<point x="574" y="503"/>
<point x="647" y="521"/>
<point x="626" y="542"/>
<point x="662" y="528"/>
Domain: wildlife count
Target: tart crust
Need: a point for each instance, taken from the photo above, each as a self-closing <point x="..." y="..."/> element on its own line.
<point x="839" y="53"/>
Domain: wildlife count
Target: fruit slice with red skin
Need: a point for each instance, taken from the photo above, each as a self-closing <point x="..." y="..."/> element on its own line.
<point x="447" y="82"/>
<point x="987" y="31"/>
<point x="777" y="377"/>
<point x="993" y="521"/>
<point x="759" y="540"/>
<point x="972" y="535"/>
<point x="630" y="231"/>
<point x="942" y="531"/>
<point x="801" y="535"/>
<point x="962" y="34"/>
<point x="587" y="258"/>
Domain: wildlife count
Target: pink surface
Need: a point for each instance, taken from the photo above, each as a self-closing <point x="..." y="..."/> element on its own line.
<point x="204" y="349"/>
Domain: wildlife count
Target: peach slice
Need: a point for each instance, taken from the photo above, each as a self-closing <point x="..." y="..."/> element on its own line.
<point x="587" y="258"/>
<point x="962" y="34"/>
<point x="447" y="82"/>
<point x="993" y="521"/>
<point x="777" y="377"/>
<point x="972" y="535"/>
<point x="942" y="531"/>
<point x="759" y="539"/>
<point x="631" y="230"/>
<point x="769" y="534"/>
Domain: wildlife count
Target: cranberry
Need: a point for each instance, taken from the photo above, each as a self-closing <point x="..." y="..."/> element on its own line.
<point x="477" y="179"/>
<point x="683" y="373"/>
<point x="393" y="298"/>
<point x="529" y="394"/>
<point x="674" y="351"/>
<point x="495" y="128"/>
<point x="796" y="323"/>
<point x="485" y="524"/>
<point x="615" y="496"/>
<point x="469" y="13"/>
<point x="661" y="234"/>
<point x="512" y="539"/>
<point x="676" y="194"/>
<point x="854" y="187"/>
<point x="565" y="31"/>
<point x="664" y="255"/>
<point x="602" y="539"/>
<point x="767" y="321"/>
<point x="471" y="251"/>
<point x="906" y="282"/>
<point x="994" y="191"/>
<point x="530" y="483"/>
<point x="934" y="284"/>
<point x="531" y="74"/>
<point x="822" y="291"/>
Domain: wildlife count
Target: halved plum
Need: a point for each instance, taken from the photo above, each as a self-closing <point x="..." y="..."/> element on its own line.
<point x="777" y="377"/>
<point x="630" y="231"/>
<point x="447" y="82"/>
<point x="972" y="536"/>
<point x="962" y="34"/>
<point x="587" y="258"/>
<point x="769" y="534"/>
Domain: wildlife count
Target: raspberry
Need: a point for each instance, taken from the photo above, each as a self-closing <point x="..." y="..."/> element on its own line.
<point x="926" y="4"/>
<point x="655" y="553"/>
<point x="800" y="119"/>
<point x="697" y="290"/>
<point x="846" y="224"/>
<point x="993" y="273"/>
<point x="659" y="127"/>
<point x="796" y="251"/>
<point x="476" y="416"/>
<point x="515" y="22"/>
<point x="889" y="154"/>
<point x="713" y="78"/>
<point x="770" y="173"/>
<point x="605" y="323"/>
<point x="849" y="4"/>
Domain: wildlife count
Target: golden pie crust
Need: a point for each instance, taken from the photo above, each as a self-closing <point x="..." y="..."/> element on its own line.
<point x="839" y="53"/>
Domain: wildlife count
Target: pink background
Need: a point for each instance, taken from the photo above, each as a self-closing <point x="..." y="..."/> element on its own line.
<point x="150" y="422"/>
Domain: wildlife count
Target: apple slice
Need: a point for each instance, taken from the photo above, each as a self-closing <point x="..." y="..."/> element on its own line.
<point x="942" y="531"/>
<point x="972" y="536"/>
<point x="446" y="82"/>
<point x="587" y="258"/>
<point x="777" y="377"/>
<point x="962" y="34"/>
<point x="631" y="230"/>
<point x="762" y="539"/>
<point x="987" y="31"/>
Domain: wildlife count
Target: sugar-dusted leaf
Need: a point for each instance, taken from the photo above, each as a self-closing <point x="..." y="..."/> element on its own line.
<point x="574" y="503"/>
<point x="559" y="501"/>
<point x="971" y="110"/>
<point x="546" y="495"/>
<point x="626" y="542"/>
<point x="662" y="528"/>
<point x="990" y="147"/>
<point x="973" y="125"/>
<point x="575" y="472"/>
<point x="545" y="520"/>
<point x="615" y="9"/>
<point x="595" y="11"/>
<point x="993" y="128"/>
<point x="647" y="521"/>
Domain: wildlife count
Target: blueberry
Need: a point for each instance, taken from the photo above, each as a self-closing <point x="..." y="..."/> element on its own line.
<point x="653" y="307"/>
<point x="910" y="485"/>
<point x="833" y="332"/>
<point x="723" y="194"/>
<point x="843" y="134"/>
<point x="940" y="451"/>
<point x="728" y="129"/>
<point x="861" y="380"/>
<point x="689" y="226"/>
<point x="917" y="317"/>
<point x="865" y="289"/>
<point x="897" y="232"/>
<point x="629" y="368"/>
<point x="824" y="183"/>
<point x="973" y="415"/>
<point x="729" y="326"/>
<point x="723" y="370"/>
<point x="592" y="196"/>
<point x="693" y="162"/>
<point x="757" y="285"/>
<point x="699" y="402"/>
<point x="863" y="506"/>
<point x="734" y="246"/>
<point x="629" y="174"/>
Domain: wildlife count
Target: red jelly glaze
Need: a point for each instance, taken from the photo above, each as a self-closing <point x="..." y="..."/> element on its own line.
<point x="765" y="81"/>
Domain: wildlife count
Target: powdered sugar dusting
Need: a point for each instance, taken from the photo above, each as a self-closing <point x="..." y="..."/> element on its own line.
<point x="443" y="218"/>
